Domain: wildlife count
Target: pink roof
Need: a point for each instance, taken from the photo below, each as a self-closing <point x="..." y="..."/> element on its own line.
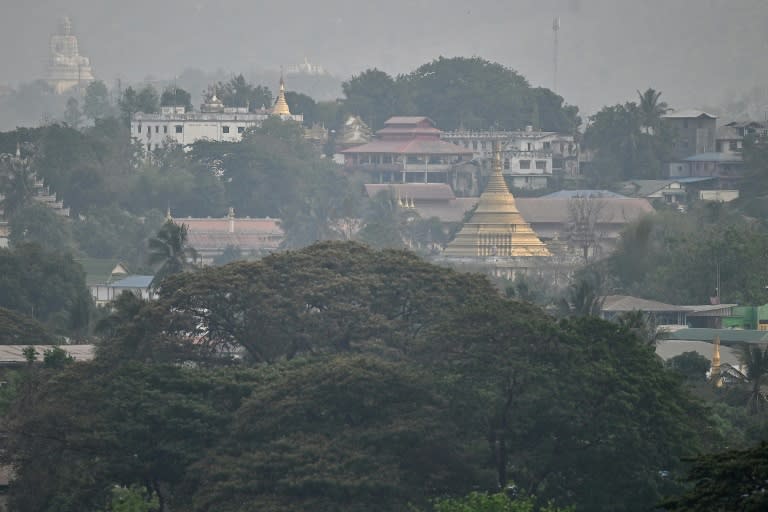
<point x="247" y="234"/>
<point x="221" y="225"/>
<point x="417" y="191"/>
<point x="417" y="146"/>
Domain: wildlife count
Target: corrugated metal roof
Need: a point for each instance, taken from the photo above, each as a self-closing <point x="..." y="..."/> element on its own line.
<point x="137" y="281"/>
<point x="689" y="114"/>
<point x="15" y="353"/>
<point x="667" y="349"/>
<point x="583" y="193"/>
<point x="726" y="335"/>
<point x="714" y="157"/>
<point x="623" y="303"/>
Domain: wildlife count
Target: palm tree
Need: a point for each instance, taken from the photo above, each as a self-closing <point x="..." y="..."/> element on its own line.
<point x="651" y="110"/>
<point x="755" y="358"/>
<point x="169" y="250"/>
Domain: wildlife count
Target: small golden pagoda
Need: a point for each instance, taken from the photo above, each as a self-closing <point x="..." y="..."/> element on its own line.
<point x="714" y="374"/>
<point x="496" y="229"/>
<point x="281" y="106"/>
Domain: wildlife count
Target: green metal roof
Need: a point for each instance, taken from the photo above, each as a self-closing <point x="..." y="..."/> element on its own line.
<point x="727" y="336"/>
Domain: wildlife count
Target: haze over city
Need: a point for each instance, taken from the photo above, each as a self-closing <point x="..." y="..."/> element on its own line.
<point x="695" y="51"/>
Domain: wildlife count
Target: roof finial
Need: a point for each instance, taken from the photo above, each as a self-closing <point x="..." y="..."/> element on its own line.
<point x="168" y="216"/>
<point x="714" y="373"/>
<point x="18" y="150"/>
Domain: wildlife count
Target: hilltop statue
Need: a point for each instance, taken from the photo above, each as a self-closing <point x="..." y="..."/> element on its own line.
<point x="66" y="67"/>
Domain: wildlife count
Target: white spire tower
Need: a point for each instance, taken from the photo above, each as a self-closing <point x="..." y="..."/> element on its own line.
<point x="555" y="30"/>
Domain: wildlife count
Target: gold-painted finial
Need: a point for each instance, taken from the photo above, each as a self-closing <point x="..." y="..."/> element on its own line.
<point x="281" y="105"/>
<point x="714" y="373"/>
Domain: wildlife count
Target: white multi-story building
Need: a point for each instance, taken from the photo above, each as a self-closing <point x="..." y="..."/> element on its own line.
<point x="529" y="157"/>
<point x="214" y="122"/>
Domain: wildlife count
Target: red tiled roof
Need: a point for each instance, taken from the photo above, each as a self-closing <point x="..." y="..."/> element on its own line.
<point x="247" y="234"/>
<point x="417" y="146"/>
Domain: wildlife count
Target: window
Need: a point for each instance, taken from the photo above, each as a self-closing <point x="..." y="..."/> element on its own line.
<point x="139" y="130"/>
<point x="541" y="165"/>
<point x="685" y="123"/>
<point x="149" y="147"/>
<point x="506" y="163"/>
<point x="225" y="129"/>
<point x="530" y="146"/>
<point x="474" y="144"/>
<point x="482" y="145"/>
<point x="165" y="129"/>
<point x="179" y="128"/>
<point x="733" y="145"/>
<point x="547" y="145"/>
<point x="241" y="129"/>
<point x="525" y="164"/>
<point x="149" y="129"/>
<point x="157" y="128"/>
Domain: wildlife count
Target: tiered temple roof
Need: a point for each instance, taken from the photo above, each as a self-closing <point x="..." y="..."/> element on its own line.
<point x="496" y="229"/>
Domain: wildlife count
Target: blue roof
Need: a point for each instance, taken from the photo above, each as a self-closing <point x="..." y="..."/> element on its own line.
<point x="713" y="157"/>
<point x="568" y="194"/>
<point x="134" y="282"/>
<point x="694" y="179"/>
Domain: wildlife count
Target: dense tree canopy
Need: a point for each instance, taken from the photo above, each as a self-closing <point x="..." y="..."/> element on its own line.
<point x="629" y="141"/>
<point x="675" y="257"/>
<point x="470" y="93"/>
<point x="47" y="286"/>
<point x="382" y="381"/>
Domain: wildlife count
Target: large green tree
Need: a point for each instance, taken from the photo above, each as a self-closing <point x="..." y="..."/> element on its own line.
<point x="629" y="141"/>
<point x="48" y="286"/>
<point x="733" y="480"/>
<point x="176" y="97"/>
<point x="96" y="104"/>
<point x="372" y="95"/>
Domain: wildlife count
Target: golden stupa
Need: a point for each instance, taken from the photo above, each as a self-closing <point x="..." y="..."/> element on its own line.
<point x="281" y="106"/>
<point x="496" y="229"/>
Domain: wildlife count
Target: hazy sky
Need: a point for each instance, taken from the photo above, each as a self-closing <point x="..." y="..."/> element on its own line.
<point x="695" y="51"/>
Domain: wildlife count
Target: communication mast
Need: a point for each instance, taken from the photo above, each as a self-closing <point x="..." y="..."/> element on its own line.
<point x="555" y="30"/>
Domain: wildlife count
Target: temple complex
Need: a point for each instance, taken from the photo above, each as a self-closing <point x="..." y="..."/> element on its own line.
<point x="66" y="67"/>
<point x="214" y="121"/>
<point x="496" y="228"/>
<point x="409" y="150"/>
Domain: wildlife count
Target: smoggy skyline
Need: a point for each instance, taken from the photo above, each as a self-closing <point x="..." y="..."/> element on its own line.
<point x="697" y="52"/>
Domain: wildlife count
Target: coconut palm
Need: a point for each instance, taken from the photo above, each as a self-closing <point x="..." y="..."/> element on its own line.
<point x="170" y="252"/>
<point x="651" y="110"/>
<point x="755" y="358"/>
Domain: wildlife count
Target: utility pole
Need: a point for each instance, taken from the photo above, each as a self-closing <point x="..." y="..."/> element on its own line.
<point x="555" y="30"/>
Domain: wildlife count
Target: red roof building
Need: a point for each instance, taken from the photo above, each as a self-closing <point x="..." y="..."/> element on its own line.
<point x="408" y="150"/>
<point x="211" y="236"/>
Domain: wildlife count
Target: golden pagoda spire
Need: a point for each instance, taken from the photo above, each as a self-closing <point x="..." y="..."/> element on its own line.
<point x="496" y="228"/>
<point x="281" y="106"/>
<point x="714" y="373"/>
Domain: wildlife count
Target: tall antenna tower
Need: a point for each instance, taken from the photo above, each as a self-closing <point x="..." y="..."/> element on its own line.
<point x="555" y="30"/>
